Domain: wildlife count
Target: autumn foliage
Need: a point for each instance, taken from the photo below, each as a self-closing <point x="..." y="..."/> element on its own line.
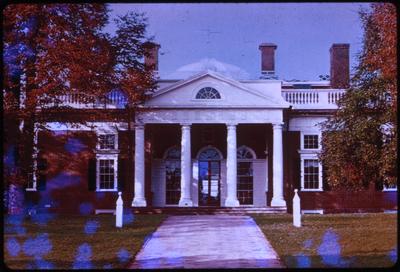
<point x="360" y="145"/>
<point x="55" y="49"/>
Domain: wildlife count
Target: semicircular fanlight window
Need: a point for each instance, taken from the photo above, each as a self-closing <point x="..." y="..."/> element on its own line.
<point x="244" y="153"/>
<point x="173" y="154"/>
<point x="208" y="93"/>
<point x="209" y="154"/>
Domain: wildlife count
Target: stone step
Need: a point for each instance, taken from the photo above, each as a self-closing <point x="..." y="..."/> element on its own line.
<point x="209" y="210"/>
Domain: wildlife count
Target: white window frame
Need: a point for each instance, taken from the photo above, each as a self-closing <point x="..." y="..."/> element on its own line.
<point x="254" y="158"/>
<point x="310" y="156"/>
<point x="34" y="179"/>
<point x="204" y="85"/>
<point x="107" y="149"/>
<point x="311" y="133"/>
<point x="113" y="157"/>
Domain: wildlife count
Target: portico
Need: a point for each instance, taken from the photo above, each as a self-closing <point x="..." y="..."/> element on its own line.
<point x="222" y="108"/>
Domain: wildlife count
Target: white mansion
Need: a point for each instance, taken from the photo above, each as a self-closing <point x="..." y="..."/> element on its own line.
<point x="211" y="138"/>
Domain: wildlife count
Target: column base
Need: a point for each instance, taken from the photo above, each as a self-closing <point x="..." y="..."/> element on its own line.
<point x="139" y="202"/>
<point x="186" y="202"/>
<point x="229" y="202"/>
<point x="278" y="202"/>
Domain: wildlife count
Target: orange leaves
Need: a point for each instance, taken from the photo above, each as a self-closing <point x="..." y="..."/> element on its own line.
<point x="382" y="41"/>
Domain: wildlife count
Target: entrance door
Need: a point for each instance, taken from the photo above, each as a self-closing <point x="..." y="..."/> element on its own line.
<point x="209" y="183"/>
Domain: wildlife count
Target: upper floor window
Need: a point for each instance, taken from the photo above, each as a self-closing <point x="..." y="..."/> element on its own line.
<point x="310" y="142"/>
<point x="107" y="141"/>
<point x="208" y="93"/>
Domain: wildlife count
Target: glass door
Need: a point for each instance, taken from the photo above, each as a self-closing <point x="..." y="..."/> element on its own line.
<point x="209" y="183"/>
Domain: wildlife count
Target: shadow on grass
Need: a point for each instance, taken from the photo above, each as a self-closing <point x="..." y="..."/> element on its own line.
<point x="304" y="261"/>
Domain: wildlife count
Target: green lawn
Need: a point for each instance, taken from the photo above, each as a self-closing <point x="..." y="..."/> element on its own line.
<point x="66" y="242"/>
<point x="333" y="240"/>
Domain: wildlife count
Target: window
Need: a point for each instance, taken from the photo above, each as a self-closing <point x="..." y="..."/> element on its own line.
<point x="245" y="182"/>
<point x="173" y="182"/>
<point x="245" y="175"/>
<point x="173" y="176"/>
<point x="244" y="153"/>
<point x="31" y="186"/>
<point x="311" y="142"/>
<point x="209" y="154"/>
<point x="311" y="178"/>
<point x="107" y="141"/>
<point x="107" y="175"/>
<point x="208" y="93"/>
<point x="107" y="172"/>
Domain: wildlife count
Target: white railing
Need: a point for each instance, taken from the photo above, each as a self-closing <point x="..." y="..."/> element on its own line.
<point x="83" y="101"/>
<point x="299" y="98"/>
<point x="313" y="98"/>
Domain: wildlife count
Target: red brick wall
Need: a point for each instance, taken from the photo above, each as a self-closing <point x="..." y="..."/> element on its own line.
<point x="68" y="156"/>
<point x="67" y="175"/>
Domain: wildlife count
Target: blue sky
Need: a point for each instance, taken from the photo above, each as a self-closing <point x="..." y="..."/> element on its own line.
<point x="231" y="33"/>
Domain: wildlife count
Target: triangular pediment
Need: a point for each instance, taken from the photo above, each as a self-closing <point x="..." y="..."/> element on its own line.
<point x="232" y="93"/>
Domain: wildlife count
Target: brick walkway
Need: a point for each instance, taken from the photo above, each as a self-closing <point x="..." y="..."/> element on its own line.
<point x="207" y="241"/>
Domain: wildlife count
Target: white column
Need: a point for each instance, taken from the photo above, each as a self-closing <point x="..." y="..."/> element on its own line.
<point x="186" y="167"/>
<point x="277" y="167"/>
<point x="231" y="168"/>
<point x="138" y="199"/>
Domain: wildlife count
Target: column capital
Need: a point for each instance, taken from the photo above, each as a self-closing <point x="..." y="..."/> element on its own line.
<point x="231" y="125"/>
<point x="186" y="125"/>
<point x="277" y="125"/>
<point x="139" y="126"/>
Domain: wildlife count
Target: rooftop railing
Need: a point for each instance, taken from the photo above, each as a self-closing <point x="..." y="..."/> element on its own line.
<point x="299" y="98"/>
<point x="313" y="98"/>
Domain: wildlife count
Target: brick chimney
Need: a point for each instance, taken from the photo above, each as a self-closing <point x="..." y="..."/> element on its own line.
<point x="151" y="55"/>
<point x="340" y="72"/>
<point x="267" y="60"/>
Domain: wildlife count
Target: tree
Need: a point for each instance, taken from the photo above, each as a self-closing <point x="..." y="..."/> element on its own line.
<point x="360" y="143"/>
<point x="56" y="49"/>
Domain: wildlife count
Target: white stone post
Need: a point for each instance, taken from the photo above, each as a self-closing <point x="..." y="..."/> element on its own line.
<point x="296" y="210"/>
<point x="119" y="211"/>
<point x="231" y="168"/>
<point x="186" y="167"/>
<point x="277" y="168"/>
<point x="138" y="199"/>
<point x="35" y="155"/>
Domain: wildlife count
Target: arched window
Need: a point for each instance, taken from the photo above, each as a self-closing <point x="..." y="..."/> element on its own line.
<point x="209" y="154"/>
<point x="173" y="153"/>
<point x="245" y="175"/>
<point x="208" y="93"/>
<point x="245" y="153"/>
<point x="172" y="175"/>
